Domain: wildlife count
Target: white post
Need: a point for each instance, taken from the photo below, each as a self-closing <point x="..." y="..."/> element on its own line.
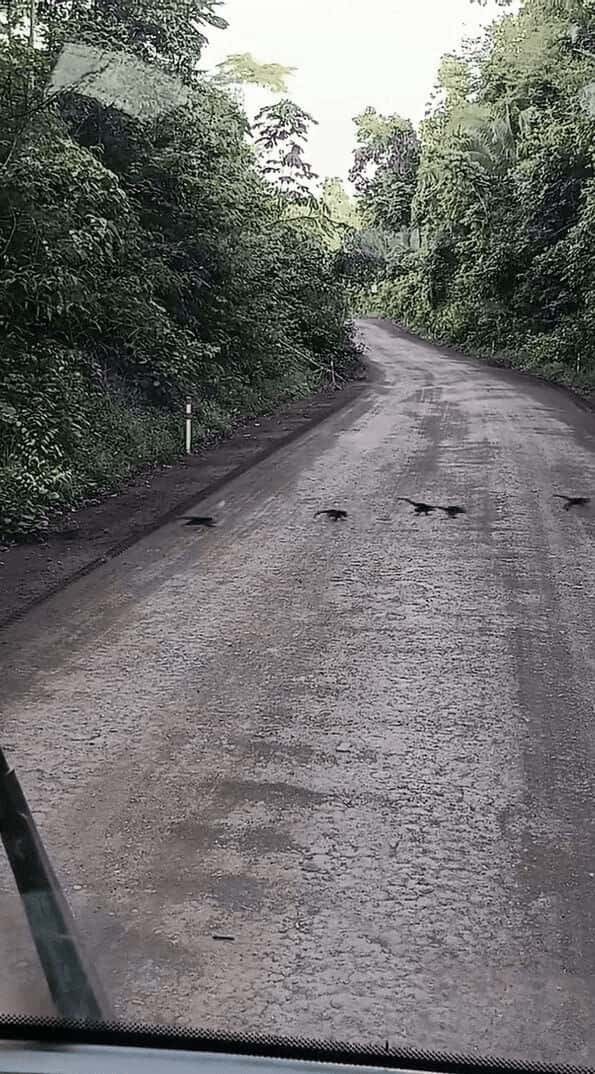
<point x="333" y="378"/>
<point x="188" y="426"/>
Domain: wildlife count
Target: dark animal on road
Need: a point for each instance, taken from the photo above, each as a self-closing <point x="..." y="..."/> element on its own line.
<point x="198" y="520"/>
<point x="573" y="501"/>
<point x="332" y="512"/>
<point x="420" y="508"/>
<point x="453" y="510"/>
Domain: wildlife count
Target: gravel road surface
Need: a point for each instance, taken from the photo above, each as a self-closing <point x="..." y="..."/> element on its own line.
<point x="362" y="751"/>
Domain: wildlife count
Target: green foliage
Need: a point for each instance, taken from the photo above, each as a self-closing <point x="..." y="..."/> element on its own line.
<point x="369" y="255"/>
<point x="242" y="69"/>
<point x="384" y="168"/>
<point x="505" y="199"/>
<point x="281" y="132"/>
<point x="333" y="215"/>
<point x="161" y="32"/>
<point x="141" y="262"/>
<point x="339" y="204"/>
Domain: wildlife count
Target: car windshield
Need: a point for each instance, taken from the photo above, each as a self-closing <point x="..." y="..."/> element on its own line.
<point x="297" y="371"/>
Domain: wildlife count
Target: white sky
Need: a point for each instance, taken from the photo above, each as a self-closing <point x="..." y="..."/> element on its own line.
<point x="349" y="53"/>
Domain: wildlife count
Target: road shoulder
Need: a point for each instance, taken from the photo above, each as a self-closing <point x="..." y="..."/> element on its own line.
<point x="30" y="573"/>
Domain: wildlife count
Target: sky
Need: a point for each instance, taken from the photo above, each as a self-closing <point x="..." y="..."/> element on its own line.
<point x="348" y="54"/>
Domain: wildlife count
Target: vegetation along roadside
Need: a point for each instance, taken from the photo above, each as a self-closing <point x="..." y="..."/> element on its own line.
<point x="145" y="259"/>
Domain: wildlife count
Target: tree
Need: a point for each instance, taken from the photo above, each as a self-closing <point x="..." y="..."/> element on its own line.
<point x="141" y="262"/>
<point x="369" y="255"/>
<point x="384" y="169"/>
<point x="504" y="196"/>
<point x="281" y="132"/>
<point x="161" y="32"/>
<point x="340" y="205"/>
<point x="337" y="213"/>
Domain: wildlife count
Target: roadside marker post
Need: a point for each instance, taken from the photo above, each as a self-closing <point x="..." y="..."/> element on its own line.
<point x="189" y="426"/>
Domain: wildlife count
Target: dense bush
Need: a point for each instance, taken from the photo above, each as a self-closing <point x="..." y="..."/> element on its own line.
<point x="141" y="262"/>
<point x="505" y="199"/>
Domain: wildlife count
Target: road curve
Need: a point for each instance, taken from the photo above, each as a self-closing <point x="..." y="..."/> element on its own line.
<point x="363" y="751"/>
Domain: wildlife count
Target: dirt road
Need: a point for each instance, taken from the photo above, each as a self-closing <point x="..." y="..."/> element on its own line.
<point x="363" y="751"/>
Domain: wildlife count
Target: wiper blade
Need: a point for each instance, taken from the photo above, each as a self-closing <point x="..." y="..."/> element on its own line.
<point x="71" y="980"/>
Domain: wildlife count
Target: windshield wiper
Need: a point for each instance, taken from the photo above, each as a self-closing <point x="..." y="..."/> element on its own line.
<point x="71" y="980"/>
